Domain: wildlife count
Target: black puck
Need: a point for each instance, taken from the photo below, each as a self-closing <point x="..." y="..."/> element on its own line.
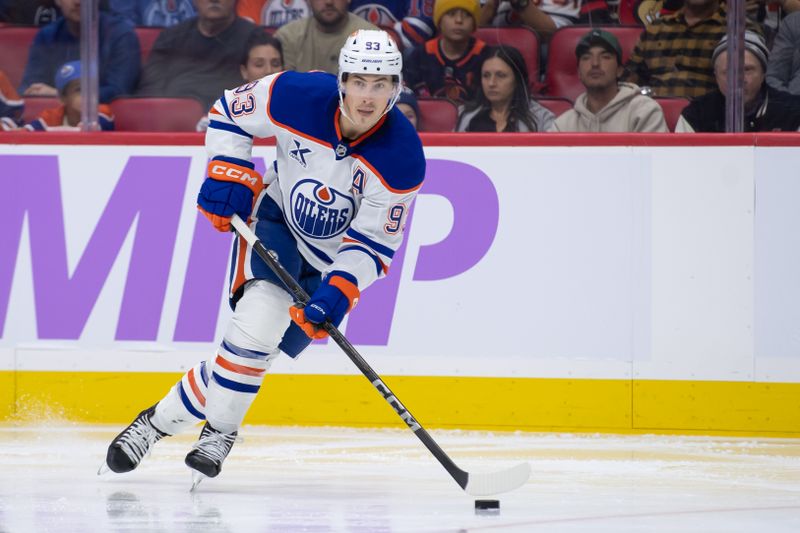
<point x="487" y="506"/>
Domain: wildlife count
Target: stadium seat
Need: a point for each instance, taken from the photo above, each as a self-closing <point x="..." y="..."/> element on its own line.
<point x="523" y="39"/>
<point x="672" y="108"/>
<point x="437" y="114"/>
<point x="147" y="38"/>
<point x="34" y="105"/>
<point x="561" y="76"/>
<point x="156" y="114"/>
<point x="15" y="42"/>
<point x="556" y="105"/>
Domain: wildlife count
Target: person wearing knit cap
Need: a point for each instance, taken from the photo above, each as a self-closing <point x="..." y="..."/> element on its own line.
<point x="448" y="65"/>
<point x="407" y="103"/>
<point x="765" y="108"/>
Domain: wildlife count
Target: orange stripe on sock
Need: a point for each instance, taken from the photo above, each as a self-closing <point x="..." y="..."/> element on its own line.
<point x="195" y="388"/>
<point x="239" y="369"/>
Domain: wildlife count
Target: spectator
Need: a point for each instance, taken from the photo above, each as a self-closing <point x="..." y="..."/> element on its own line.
<point x="765" y="108"/>
<point x="199" y="58"/>
<point x="67" y="116"/>
<point x="407" y="104"/>
<point x="159" y="13"/>
<point x="29" y="12"/>
<point x="503" y="103"/>
<point x="544" y="16"/>
<point x="313" y="43"/>
<point x="262" y="57"/>
<point x="783" y="71"/>
<point x="11" y="105"/>
<point x="412" y="20"/>
<point x="673" y="55"/>
<point x="273" y="13"/>
<point x="608" y="105"/>
<point x="448" y="65"/>
<point x="59" y="43"/>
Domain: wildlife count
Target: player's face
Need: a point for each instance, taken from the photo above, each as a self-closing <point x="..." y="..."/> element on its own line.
<point x="497" y="81"/>
<point x="262" y="60"/>
<point x="71" y="9"/>
<point x="409" y="112"/>
<point x="365" y="99"/>
<point x="214" y="9"/>
<point x="329" y="12"/>
<point x="456" y="25"/>
<point x="598" y="68"/>
<point x="753" y="75"/>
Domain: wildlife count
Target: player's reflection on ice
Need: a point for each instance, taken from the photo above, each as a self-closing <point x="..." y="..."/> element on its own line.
<point x="126" y="511"/>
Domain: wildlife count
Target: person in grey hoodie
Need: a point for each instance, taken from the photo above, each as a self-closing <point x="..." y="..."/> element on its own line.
<point x="608" y="105"/>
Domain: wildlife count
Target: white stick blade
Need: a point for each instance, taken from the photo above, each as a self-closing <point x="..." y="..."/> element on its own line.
<point x="498" y="482"/>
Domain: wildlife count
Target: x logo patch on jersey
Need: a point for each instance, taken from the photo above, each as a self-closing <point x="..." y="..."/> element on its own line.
<point x="299" y="154"/>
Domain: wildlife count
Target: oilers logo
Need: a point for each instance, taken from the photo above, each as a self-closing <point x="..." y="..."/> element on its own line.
<point x="318" y="211"/>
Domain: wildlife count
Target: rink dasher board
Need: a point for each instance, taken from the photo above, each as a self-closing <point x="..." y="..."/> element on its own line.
<point x="655" y="276"/>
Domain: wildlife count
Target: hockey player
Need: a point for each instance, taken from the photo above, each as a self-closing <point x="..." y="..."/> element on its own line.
<point x="333" y="208"/>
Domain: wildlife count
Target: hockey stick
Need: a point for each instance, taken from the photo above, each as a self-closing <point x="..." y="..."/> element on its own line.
<point x="480" y="484"/>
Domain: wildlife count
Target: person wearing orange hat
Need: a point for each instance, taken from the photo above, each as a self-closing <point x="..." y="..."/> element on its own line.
<point x="448" y="65"/>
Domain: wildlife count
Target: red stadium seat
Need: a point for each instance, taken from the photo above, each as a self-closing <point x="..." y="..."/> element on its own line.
<point x="34" y="105"/>
<point x="156" y="114"/>
<point x="523" y="39"/>
<point x="672" y="108"/>
<point x="561" y="76"/>
<point x="147" y="38"/>
<point x="15" y="42"/>
<point x="437" y="114"/>
<point x="556" y="105"/>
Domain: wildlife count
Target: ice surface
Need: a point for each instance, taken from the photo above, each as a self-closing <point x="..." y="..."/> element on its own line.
<point x="326" y="479"/>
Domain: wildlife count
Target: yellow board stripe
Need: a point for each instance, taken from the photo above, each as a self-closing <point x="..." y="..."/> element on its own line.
<point x="585" y="405"/>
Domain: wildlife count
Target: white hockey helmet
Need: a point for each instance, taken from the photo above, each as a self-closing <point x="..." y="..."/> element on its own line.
<point x="371" y="52"/>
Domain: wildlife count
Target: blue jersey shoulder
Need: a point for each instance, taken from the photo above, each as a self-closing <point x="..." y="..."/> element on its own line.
<point x="306" y="102"/>
<point x="395" y="151"/>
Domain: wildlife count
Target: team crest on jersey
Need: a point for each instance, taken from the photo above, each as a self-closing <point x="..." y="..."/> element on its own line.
<point x="319" y="211"/>
<point x="299" y="154"/>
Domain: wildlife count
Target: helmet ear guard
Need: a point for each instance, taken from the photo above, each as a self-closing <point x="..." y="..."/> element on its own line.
<point x="371" y="52"/>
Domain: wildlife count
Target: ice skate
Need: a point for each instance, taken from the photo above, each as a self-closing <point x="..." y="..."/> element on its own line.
<point x="208" y="453"/>
<point x="128" y="449"/>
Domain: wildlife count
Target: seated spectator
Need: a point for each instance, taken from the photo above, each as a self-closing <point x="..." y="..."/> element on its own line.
<point x="59" y="43"/>
<point x="412" y="20"/>
<point x="11" y="105"/>
<point x="67" y="116"/>
<point x="544" y="16"/>
<point x="272" y="13"/>
<point x="673" y="55"/>
<point x="503" y="103"/>
<point x="153" y="12"/>
<point x="765" y="108"/>
<point x="608" y="105"/>
<point x="313" y="43"/>
<point x="407" y="104"/>
<point x="29" y="12"/>
<point x="783" y="71"/>
<point x="262" y="57"/>
<point x="199" y="58"/>
<point x="448" y="65"/>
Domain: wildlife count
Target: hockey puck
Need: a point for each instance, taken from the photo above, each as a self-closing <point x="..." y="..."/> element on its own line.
<point x="487" y="506"/>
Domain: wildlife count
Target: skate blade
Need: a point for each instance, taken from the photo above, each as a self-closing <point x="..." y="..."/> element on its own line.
<point x="197" y="477"/>
<point x="104" y="469"/>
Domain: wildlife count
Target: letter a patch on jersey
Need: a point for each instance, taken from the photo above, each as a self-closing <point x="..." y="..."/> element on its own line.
<point x="299" y="154"/>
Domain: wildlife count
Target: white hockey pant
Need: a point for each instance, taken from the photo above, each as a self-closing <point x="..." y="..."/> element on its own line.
<point x="221" y="389"/>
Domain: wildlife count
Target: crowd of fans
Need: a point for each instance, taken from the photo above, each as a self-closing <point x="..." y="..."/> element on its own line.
<point x="207" y="46"/>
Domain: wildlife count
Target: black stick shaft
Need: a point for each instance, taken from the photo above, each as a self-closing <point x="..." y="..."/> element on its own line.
<point x="300" y="295"/>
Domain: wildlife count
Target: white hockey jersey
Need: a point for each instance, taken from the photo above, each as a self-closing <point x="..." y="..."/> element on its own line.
<point x="344" y="201"/>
